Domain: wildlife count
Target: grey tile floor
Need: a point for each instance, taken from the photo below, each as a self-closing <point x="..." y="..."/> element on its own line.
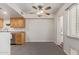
<point x="37" y="48"/>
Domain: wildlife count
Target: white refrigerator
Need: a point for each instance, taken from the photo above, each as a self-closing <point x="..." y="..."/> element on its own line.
<point x="5" y="43"/>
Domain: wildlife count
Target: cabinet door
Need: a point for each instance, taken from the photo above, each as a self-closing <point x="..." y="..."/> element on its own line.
<point x="17" y="22"/>
<point x="13" y="23"/>
<point x="21" y="23"/>
<point x="19" y="38"/>
<point x="1" y="23"/>
<point x="22" y="37"/>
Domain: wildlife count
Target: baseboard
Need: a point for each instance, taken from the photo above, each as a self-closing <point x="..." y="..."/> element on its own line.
<point x="37" y="41"/>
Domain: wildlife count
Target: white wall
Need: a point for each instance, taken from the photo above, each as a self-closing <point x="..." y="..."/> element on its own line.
<point x="40" y="30"/>
<point x="69" y="42"/>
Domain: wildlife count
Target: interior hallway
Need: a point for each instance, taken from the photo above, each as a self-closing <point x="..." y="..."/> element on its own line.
<point x="37" y="48"/>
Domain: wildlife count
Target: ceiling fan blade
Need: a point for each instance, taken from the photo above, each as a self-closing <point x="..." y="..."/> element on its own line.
<point x="34" y="7"/>
<point x="47" y="8"/>
<point x="47" y="13"/>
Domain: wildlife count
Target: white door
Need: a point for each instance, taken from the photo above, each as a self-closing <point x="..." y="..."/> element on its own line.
<point x="60" y="30"/>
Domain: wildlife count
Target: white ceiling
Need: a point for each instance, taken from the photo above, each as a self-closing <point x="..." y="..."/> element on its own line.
<point x="7" y="9"/>
<point x="27" y="7"/>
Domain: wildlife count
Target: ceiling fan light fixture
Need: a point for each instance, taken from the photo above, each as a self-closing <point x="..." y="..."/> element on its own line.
<point x="41" y="10"/>
<point x="39" y="13"/>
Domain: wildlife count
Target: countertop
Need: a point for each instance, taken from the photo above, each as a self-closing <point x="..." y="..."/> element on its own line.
<point x="12" y="31"/>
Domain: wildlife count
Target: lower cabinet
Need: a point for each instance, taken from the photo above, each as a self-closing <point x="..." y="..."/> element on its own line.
<point x="18" y="38"/>
<point x="1" y="23"/>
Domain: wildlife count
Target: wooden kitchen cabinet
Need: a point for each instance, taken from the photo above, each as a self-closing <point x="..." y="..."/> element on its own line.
<point x="19" y="38"/>
<point x="21" y="23"/>
<point x="18" y="22"/>
<point x="1" y="22"/>
<point x="13" y="23"/>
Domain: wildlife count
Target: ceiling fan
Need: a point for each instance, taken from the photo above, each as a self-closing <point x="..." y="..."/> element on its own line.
<point x="40" y="10"/>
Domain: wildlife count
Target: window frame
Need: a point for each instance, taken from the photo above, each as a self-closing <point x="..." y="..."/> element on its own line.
<point x="69" y="30"/>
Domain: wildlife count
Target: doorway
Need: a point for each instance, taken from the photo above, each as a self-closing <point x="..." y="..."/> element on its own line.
<point x="60" y="31"/>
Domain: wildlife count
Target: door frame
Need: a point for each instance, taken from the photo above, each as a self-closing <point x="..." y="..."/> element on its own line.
<point x="59" y="25"/>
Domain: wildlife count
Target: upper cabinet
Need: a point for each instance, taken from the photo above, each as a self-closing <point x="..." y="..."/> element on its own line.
<point x="18" y="22"/>
<point x="1" y="22"/>
<point x="13" y="22"/>
<point x="21" y="23"/>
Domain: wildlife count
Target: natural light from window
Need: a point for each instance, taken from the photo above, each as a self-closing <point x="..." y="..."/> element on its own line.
<point x="73" y="21"/>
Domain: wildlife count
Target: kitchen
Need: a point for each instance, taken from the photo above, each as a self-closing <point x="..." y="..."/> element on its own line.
<point x="19" y="26"/>
<point x="13" y="30"/>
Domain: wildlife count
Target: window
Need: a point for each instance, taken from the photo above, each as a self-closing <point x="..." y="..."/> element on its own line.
<point x="73" y="20"/>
